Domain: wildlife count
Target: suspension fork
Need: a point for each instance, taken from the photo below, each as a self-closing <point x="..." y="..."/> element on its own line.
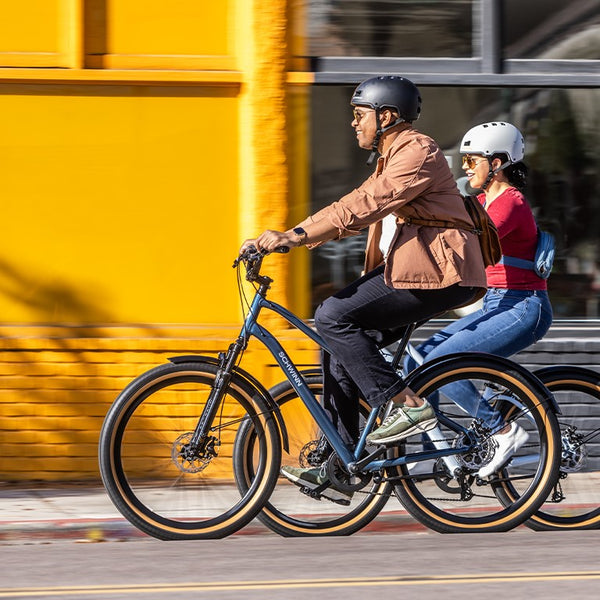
<point x="227" y="362"/>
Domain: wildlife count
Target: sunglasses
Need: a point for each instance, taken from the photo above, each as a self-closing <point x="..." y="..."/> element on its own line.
<point x="358" y="115"/>
<point x="471" y="162"/>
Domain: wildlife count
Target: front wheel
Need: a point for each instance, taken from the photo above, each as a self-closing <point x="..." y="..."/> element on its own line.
<point x="158" y="480"/>
<point x="445" y="494"/>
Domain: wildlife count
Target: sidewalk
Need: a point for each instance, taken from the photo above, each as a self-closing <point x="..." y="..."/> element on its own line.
<point x="30" y="513"/>
<point x="86" y="514"/>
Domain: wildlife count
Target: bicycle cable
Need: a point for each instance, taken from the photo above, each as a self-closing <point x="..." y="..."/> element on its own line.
<point x="244" y="304"/>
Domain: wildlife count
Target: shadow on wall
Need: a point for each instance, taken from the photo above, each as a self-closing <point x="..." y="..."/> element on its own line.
<point x="59" y="379"/>
<point x="51" y="300"/>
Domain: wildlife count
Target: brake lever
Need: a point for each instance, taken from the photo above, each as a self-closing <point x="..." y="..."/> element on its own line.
<point x="251" y="252"/>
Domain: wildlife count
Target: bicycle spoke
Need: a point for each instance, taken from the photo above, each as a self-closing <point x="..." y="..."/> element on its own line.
<point x="165" y="483"/>
<point x="574" y="502"/>
<point x="446" y="493"/>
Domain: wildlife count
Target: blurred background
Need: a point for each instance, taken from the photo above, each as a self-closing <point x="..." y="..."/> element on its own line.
<point x="142" y="141"/>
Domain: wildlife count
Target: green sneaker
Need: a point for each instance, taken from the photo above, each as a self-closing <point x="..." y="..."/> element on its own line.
<point x="313" y="478"/>
<point x="403" y="422"/>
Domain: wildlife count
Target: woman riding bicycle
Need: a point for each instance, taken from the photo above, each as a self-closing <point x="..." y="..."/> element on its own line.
<point x="411" y="272"/>
<point x="516" y="310"/>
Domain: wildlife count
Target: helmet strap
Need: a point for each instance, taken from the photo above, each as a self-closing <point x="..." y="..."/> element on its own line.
<point x="492" y="172"/>
<point x="374" y="153"/>
<point x="380" y="131"/>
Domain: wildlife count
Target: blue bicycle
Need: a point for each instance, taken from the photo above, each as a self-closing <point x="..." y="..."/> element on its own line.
<point x="192" y="449"/>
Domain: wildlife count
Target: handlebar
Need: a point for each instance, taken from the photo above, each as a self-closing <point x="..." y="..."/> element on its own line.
<point x="252" y="259"/>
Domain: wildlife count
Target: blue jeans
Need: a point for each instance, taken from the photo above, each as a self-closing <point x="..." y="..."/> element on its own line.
<point x="509" y="321"/>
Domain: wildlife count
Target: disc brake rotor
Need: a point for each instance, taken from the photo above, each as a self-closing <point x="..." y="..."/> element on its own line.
<point x="190" y="461"/>
<point x="314" y="453"/>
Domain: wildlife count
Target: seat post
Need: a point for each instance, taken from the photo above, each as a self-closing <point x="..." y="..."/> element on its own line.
<point x="402" y="345"/>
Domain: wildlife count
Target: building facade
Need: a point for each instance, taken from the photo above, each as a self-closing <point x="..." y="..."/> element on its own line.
<point x="142" y="141"/>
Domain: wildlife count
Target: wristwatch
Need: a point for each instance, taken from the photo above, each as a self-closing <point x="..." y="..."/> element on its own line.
<point x="301" y="234"/>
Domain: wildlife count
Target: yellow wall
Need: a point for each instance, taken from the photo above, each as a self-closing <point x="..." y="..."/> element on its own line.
<point x="111" y="197"/>
<point x="58" y="383"/>
<point x="140" y="142"/>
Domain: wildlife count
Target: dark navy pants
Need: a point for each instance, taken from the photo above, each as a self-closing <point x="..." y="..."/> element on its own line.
<point x="355" y="323"/>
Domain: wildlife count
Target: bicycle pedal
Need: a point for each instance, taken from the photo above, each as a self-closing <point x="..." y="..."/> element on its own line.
<point x="310" y="493"/>
<point x="316" y="496"/>
<point x="340" y="502"/>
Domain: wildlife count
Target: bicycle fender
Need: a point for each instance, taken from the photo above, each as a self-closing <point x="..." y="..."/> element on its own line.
<point x="483" y="359"/>
<point x="312" y="372"/>
<point x="549" y="374"/>
<point x="259" y="387"/>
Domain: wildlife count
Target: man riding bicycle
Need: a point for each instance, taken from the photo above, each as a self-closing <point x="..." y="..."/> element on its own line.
<point x="412" y="272"/>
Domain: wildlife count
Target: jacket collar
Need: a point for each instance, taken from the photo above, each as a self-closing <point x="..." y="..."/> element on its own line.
<point x="397" y="138"/>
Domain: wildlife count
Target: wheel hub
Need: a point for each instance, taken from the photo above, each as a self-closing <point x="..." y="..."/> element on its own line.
<point x="479" y="453"/>
<point x="190" y="460"/>
<point x="574" y="453"/>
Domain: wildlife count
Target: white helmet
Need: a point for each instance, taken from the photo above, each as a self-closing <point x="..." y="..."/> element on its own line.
<point x="492" y="138"/>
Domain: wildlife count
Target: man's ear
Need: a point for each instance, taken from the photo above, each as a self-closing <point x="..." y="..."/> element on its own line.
<point x="388" y="117"/>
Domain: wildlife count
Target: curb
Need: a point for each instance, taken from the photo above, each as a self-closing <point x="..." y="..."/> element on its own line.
<point x="120" y="530"/>
<point x="82" y="530"/>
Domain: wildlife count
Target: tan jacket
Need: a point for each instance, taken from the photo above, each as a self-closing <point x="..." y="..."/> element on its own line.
<point x="412" y="179"/>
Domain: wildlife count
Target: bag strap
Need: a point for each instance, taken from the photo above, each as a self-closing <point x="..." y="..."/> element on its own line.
<point x="513" y="261"/>
<point x="544" y="250"/>
<point x="439" y="224"/>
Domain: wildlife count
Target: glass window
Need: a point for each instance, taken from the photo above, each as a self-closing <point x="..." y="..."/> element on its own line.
<point x="388" y="28"/>
<point x="551" y="29"/>
<point x="562" y="153"/>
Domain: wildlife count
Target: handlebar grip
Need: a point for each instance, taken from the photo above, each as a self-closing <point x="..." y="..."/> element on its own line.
<point x="251" y="253"/>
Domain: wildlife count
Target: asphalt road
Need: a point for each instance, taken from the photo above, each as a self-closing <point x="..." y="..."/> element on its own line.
<point x="521" y="564"/>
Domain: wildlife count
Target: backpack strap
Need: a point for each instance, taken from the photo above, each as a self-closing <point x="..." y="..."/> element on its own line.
<point x="521" y="263"/>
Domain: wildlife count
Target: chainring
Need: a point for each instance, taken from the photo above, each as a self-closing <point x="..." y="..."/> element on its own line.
<point x="574" y="453"/>
<point x="342" y="480"/>
<point x="444" y="480"/>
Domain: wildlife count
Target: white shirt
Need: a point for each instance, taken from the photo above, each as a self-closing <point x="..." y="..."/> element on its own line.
<point x="388" y="231"/>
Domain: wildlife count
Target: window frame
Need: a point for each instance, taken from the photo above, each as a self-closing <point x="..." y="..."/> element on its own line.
<point x="487" y="68"/>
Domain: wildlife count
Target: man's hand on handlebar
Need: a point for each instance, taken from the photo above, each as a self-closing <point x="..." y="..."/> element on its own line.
<point x="270" y="241"/>
<point x="252" y="251"/>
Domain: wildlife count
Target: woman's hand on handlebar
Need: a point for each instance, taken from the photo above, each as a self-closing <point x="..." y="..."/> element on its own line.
<point x="270" y="240"/>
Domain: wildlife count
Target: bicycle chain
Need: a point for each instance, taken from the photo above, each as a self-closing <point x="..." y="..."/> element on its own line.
<point x="426" y="497"/>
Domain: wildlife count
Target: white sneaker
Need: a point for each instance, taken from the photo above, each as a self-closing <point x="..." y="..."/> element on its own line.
<point x="506" y="445"/>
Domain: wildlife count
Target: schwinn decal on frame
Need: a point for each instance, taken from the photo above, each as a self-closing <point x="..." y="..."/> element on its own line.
<point x="290" y="369"/>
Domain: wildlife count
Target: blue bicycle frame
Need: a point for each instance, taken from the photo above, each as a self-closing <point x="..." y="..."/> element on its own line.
<point x="350" y="458"/>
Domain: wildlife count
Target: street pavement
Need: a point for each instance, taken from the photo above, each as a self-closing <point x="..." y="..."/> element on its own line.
<point x="43" y="513"/>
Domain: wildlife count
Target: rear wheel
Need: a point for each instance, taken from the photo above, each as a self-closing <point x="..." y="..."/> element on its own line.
<point x="446" y="495"/>
<point x="289" y="512"/>
<point x="574" y="503"/>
